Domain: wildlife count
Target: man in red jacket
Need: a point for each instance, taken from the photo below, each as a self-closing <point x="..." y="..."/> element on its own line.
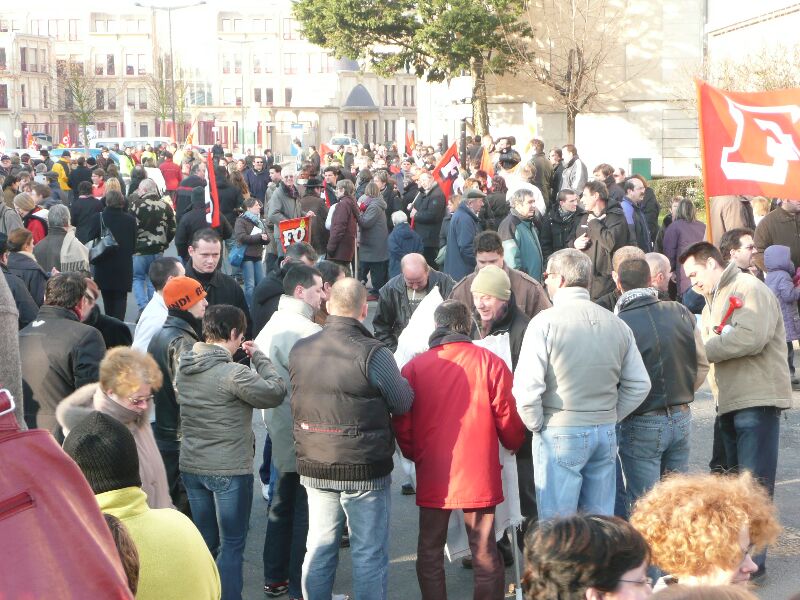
<point x="452" y="434"/>
<point x="172" y="175"/>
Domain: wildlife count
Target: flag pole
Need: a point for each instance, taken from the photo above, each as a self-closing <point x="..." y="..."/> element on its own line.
<point x="709" y="234"/>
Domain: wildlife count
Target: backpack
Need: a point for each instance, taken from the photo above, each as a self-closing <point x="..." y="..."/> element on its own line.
<point x="55" y="540"/>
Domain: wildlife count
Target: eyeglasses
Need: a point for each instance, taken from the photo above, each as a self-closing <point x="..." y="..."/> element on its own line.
<point x="547" y="274"/>
<point x="134" y="401"/>
<point x="646" y="581"/>
<point x="748" y="247"/>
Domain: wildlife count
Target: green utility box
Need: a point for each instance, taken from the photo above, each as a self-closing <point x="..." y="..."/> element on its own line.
<point x="641" y="166"/>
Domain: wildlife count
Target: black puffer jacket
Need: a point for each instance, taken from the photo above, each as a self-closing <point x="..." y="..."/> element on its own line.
<point x="558" y="232"/>
<point x="431" y="208"/>
<point x="183" y="201"/>
<point x="222" y="289"/>
<point x="266" y="296"/>
<point x="231" y="201"/>
<point x="26" y="307"/>
<point x="27" y="269"/>
<point x="495" y="209"/>
<point x="115" y="332"/>
<point x="395" y="310"/>
<point x="194" y="221"/>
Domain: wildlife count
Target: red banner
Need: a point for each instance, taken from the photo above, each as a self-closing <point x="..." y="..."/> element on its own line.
<point x="65" y="139"/>
<point x="410" y="143"/>
<point x="750" y="142"/>
<point x="446" y="172"/>
<point x="486" y="162"/>
<point x="212" y="195"/>
<point x="295" y="230"/>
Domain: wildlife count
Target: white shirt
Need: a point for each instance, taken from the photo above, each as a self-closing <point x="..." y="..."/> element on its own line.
<point x="150" y="323"/>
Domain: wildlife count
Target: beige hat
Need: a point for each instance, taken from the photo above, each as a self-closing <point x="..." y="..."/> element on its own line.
<point x="492" y="281"/>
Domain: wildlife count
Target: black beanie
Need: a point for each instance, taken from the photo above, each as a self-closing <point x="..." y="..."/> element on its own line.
<point x="106" y="453"/>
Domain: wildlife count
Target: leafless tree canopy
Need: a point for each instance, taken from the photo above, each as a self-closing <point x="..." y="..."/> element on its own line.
<point x="77" y="93"/>
<point x="160" y="91"/>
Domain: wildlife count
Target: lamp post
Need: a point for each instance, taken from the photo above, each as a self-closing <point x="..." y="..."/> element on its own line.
<point x="169" y="10"/>
<point x="241" y="42"/>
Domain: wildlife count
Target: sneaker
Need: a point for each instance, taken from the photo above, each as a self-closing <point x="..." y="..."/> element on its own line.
<point x="407" y="490"/>
<point x="273" y="590"/>
<point x="265" y="491"/>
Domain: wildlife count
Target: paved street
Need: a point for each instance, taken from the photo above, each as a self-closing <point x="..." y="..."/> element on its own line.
<point x="783" y="579"/>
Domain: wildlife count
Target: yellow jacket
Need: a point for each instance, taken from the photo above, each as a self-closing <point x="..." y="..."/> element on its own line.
<point x="63" y="173"/>
<point x="175" y="563"/>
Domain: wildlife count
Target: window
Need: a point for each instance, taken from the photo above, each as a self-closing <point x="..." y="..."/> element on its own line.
<point x="411" y="87"/>
<point x="143" y="130"/>
<point x="287" y="96"/>
<point x="43" y="61"/>
<point x="23" y="59"/>
<point x="2" y="58"/>
<point x="405" y="95"/>
<point x="142" y="64"/>
<point x="100" y="99"/>
<point x="269" y="26"/>
<point x="32" y="66"/>
<point x="129" y="60"/>
<point x="45" y="99"/>
<point x="290" y="30"/>
<point x="238" y="96"/>
<point x="290" y="63"/>
<point x="258" y="25"/>
<point x="98" y="65"/>
<point x="4" y="26"/>
<point x="238" y="25"/>
<point x="52" y="27"/>
<point x="226" y="64"/>
<point x="61" y="68"/>
<point x="112" y="99"/>
<point x="268" y="97"/>
<point x="325" y="63"/>
<point x="237" y="64"/>
<point x="110" y="64"/>
<point x="112" y="26"/>
<point x="112" y="130"/>
<point x="73" y="30"/>
<point x="142" y="97"/>
<point x="141" y="25"/>
<point x="257" y="95"/>
<point x="227" y="26"/>
<point x="256" y="63"/>
<point x="100" y="26"/>
<point x="267" y="63"/>
<point x="4" y="93"/>
<point x="227" y="96"/>
<point x="132" y="97"/>
<point x="23" y="96"/>
<point x="393" y="89"/>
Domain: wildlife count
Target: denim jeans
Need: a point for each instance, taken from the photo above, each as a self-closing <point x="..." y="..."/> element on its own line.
<point x="221" y="511"/>
<point x="253" y="273"/>
<point x="143" y="289"/>
<point x="575" y="470"/>
<point x="751" y="437"/>
<point x="287" y="528"/>
<point x="367" y="515"/>
<point x="651" y="446"/>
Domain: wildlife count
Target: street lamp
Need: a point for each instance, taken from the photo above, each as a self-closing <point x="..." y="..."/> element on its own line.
<point x="241" y="42"/>
<point x="169" y="10"/>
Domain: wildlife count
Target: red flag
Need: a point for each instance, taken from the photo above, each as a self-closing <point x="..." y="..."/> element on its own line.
<point x="486" y="163"/>
<point x="212" y="196"/>
<point x="324" y="150"/>
<point x="410" y="142"/>
<point x="446" y="172"/>
<point x="65" y="139"/>
<point x="750" y="142"/>
<point x="295" y="230"/>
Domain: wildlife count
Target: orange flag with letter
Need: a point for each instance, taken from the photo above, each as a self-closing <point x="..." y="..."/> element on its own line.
<point x="750" y="142"/>
<point x="295" y="230"/>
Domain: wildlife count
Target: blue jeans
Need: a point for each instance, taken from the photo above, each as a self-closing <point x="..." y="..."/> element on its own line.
<point x="143" y="289"/>
<point x="253" y="273"/>
<point x="367" y="515"/>
<point x="575" y="470"/>
<point x="287" y="528"/>
<point x="221" y="511"/>
<point x="750" y="436"/>
<point x="650" y="447"/>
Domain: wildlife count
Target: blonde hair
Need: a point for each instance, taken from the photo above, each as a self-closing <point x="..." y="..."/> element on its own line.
<point x="705" y="592"/>
<point x="760" y="206"/>
<point x="693" y="522"/>
<point x="112" y="185"/>
<point x="123" y="370"/>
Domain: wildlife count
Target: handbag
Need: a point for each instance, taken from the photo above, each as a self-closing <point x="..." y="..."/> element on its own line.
<point x="103" y="246"/>
<point x="55" y="540"/>
<point x="236" y="255"/>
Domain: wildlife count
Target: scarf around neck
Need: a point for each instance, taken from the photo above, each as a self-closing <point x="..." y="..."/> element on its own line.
<point x="632" y="295"/>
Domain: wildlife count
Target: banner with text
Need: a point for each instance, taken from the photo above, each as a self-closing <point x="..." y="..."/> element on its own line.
<point x="295" y="230"/>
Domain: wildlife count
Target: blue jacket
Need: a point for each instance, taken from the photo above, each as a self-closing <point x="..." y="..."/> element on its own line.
<point x="460" y="257"/>
<point x="257" y="183"/>
<point x="637" y="224"/>
<point x="403" y="240"/>
<point x="521" y="248"/>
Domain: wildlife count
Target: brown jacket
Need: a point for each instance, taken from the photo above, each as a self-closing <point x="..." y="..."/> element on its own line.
<point x="748" y="363"/>
<point x="528" y="293"/>
<point x="778" y="227"/>
<point x="729" y="212"/>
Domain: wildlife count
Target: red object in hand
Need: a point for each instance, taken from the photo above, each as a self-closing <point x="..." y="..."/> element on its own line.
<point x="796" y="278"/>
<point x="734" y="302"/>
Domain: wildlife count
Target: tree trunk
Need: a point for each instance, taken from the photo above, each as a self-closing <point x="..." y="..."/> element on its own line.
<point x="480" y="107"/>
<point x="571" y="115"/>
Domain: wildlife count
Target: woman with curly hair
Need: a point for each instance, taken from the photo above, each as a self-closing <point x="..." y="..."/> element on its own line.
<point x="586" y="557"/>
<point x="705" y="529"/>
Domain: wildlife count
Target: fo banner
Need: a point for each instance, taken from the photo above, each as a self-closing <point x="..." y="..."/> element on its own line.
<point x="295" y="230"/>
<point x="750" y="142"/>
<point x="446" y="172"/>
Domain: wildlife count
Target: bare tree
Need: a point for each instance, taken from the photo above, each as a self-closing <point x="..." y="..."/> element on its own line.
<point x="160" y="90"/>
<point x="575" y="43"/>
<point x="77" y="96"/>
<point x="182" y="114"/>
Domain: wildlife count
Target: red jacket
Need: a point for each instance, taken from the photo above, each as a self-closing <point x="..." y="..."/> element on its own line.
<point x="462" y="405"/>
<point x="36" y="225"/>
<point x="172" y="174"/>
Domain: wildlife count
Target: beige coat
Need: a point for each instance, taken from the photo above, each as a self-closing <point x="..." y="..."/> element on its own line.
<point x="89" y="398"/>
<point x="748" y="362"/>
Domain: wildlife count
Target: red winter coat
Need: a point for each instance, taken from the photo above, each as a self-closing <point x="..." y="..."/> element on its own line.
<point x="342" y="241"/>
<point x="462" y="405"/>
<point x="172" y="174"/>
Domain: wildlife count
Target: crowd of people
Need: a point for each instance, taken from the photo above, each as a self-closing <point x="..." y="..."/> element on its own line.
<point x="527" y="313"/>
